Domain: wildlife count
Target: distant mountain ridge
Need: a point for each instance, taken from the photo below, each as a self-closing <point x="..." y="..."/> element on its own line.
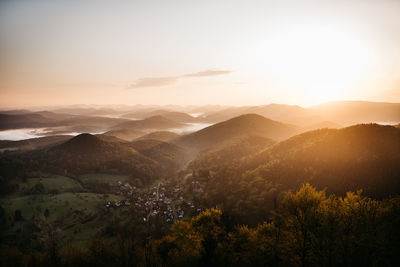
<point x="154" y="122"/>
<point x="34" y="143"/>
<point x="133" y="129"/>
<point x="353" y="112"/>
<point x="100" y="119"/>
<point x="284" y="113"/>
<point x="165" y="136"/>
<point x="171" y="115"/>
<point x="16" y="121"/>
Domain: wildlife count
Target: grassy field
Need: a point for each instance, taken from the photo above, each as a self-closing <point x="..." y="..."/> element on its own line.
<point x="78" y="216"/>
<point x="53" y="184"/>
<point x="76" y="213"/>
<point x="59" y="183"/>
<point x="57" y="204"/>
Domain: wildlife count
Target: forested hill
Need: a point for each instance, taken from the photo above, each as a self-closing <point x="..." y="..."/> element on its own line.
<point x="362" y="156"/>
<point x="84" y="153"/>
<point x="358" y="157"/>
<point x="249" y="124"/>
<point x="230" y="152"/>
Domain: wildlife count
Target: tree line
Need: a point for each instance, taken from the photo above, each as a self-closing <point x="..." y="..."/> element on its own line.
<point x="307" y="228"/>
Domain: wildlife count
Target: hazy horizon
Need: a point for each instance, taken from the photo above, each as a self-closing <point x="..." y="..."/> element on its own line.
<point x="171" y="106"/>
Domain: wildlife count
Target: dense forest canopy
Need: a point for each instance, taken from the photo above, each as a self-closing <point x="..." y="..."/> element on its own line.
<point x="308" y="228"/>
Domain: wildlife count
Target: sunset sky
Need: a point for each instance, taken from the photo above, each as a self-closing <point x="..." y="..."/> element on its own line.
<point x="198" y="52"/>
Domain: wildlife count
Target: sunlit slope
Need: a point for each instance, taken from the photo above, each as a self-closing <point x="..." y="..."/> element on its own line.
<point x="279" y="112"/>
<point x="252" y="124"/>
<point x="339" y="160"/>
<point x="357" y="157"/>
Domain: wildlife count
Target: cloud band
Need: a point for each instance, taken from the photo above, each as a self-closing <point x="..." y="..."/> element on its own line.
<point x="165" y="81"/>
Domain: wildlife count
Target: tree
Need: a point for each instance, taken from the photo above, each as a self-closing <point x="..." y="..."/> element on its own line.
<point x="301" y="211"/>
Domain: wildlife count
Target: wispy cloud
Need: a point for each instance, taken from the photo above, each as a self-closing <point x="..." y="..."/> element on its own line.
<point x="153" y="82"/>
<point x="208" y="73"/>
<point x="164" y="81"/>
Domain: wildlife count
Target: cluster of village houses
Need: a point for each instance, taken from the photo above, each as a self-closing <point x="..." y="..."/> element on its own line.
<point x="165" y="201"/>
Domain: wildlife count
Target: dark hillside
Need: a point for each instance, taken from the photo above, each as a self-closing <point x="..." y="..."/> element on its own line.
<point x="82" y="154"/>
<point x="230" y="152"/>
<point x="168" y="155"/>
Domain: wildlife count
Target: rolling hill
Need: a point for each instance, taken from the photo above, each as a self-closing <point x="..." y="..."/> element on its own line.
<point x="86" y="144"/>
<point x="155" y="122"/>
<point x="127" y="134"/>
<point x="17" y="121"/>
<point x="57" y="123"/>
<point x="83" y="154"/>
<point x="171" y="115"/>
<point x="249" y="124"/>
<point x="33" y="143"/>
<point x="336" y="160"/>
<point x="357" y="157"/>
<point x="287" y="113"/>
<point x="321" y="125"/>
<point x="230" y="152"/>
<point x="170" y="156"/>
<point x="279" y="112"/>
<point x="165" y="136"/>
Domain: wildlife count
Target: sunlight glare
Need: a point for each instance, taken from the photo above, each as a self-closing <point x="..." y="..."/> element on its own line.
<point x="324" y="62"/>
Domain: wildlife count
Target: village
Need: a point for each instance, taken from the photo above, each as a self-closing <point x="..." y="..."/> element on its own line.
<point x="164" y="200"/>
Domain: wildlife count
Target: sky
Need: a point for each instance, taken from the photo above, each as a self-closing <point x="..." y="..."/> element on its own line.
<point x="61" y="52"/>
